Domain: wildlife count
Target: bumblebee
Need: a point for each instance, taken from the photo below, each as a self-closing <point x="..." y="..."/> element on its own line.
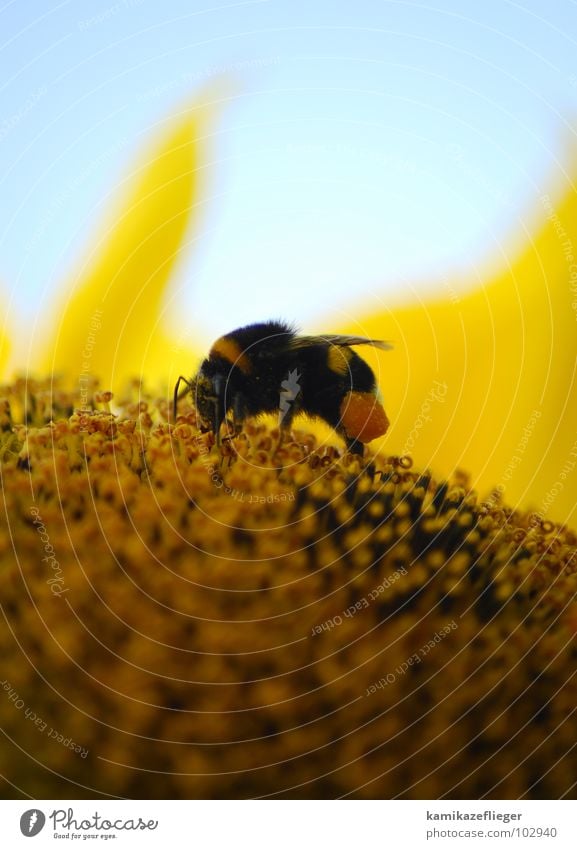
<point x="268" y="368"/>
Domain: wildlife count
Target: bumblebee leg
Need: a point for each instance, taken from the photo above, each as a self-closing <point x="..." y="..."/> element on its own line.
<point x="358" y="448"/>
<point x="238" y="413"/>
<point x="222" y="446"/>
<point x="218" y="411"/>
<point x="235" y="419"/>
<point x="355" y="447"/>
<point x="285" y="423"/>
<point x="216" y="423"/>
<point x="177" y="397"/>
<point x="233" y="428"/>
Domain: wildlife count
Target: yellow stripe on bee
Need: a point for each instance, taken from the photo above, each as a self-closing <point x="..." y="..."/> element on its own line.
<point x="231" y="351"/>
<point x="338" y="359"/>
<point x="362" y="417"/>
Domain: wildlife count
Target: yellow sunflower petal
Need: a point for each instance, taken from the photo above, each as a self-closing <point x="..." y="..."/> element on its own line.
<point x="486" y="380"/>
<point x="5" y="349"/>
<point x="108" y="324"/>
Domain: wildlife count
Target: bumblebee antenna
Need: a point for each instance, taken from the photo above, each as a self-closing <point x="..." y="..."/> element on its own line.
<point x="176" y="395"/>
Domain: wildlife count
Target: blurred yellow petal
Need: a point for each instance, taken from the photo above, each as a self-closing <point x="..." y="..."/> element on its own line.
<point x="485" y="380"/>
<point x="108" y="325"/>
<point x="5" y="348"/>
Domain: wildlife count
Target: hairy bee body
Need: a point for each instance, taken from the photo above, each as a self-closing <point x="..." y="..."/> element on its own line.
<point x="268" y="368"/>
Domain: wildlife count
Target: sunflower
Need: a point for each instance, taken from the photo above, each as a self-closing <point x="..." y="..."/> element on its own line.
<point x="271" y="618"/>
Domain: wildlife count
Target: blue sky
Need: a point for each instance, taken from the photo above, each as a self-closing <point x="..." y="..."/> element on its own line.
<point x="369" y="149"/>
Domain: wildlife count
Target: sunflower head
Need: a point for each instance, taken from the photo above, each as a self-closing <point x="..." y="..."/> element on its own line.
<point x="267" y="618"/>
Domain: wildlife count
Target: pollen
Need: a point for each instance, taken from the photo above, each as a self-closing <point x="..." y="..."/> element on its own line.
<point x="363" y="417"/>
<point x="286" y="629"/>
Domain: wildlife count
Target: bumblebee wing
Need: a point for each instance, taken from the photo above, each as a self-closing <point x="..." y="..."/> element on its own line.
<point x="340" y="341"/>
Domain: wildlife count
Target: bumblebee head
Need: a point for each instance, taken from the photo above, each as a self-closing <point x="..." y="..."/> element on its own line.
<point x="208" y="396"/>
